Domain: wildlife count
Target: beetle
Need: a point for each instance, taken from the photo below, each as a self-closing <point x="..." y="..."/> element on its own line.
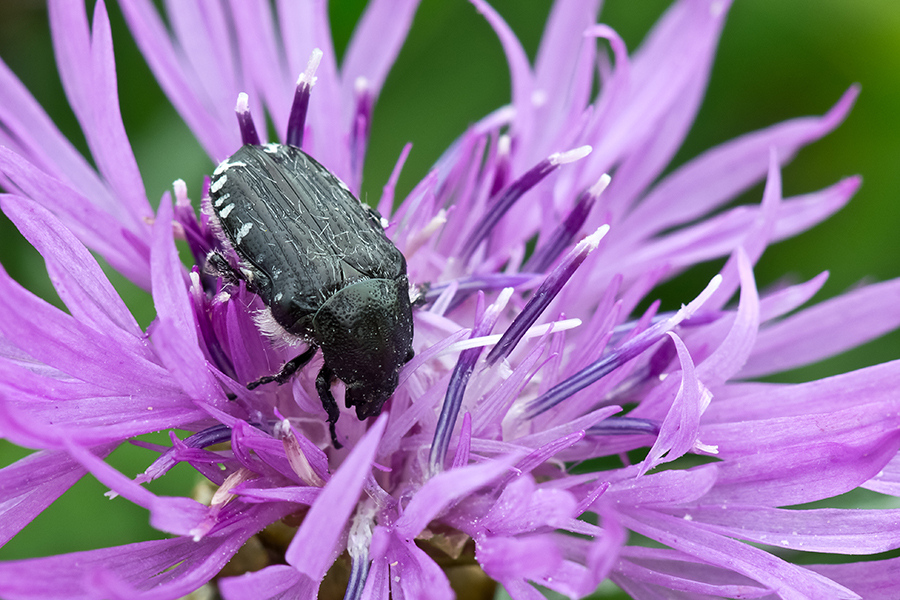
<point x="321" y="263"/>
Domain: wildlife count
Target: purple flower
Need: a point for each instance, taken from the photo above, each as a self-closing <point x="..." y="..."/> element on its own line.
<point x="529" y="430"/>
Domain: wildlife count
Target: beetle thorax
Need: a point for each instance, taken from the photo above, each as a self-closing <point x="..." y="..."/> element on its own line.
<point x="364" y="328"/>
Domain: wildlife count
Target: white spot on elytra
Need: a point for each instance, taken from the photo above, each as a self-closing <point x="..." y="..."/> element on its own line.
<point x="243" y="231"/>
<point x="221" y="200"/>
<point x="278" y="297"/>
<point x="272" y="148"/>
<point x="226" y="211"/>
<point x="216" y="185"/>
<point x="225" y="165"/>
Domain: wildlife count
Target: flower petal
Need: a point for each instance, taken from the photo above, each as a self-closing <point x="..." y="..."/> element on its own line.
<point x="668" y="572"/>
<point x="376" y="41"/>
<point x="783" y="578"/>
<point x="682" y="423"/>
<point x="721" y="173"/>
<point x="32" y="484"/>
<point x="832" y="530"/>
<point x="820" y="332"/>
<point x="873" y="580"/>
<point x="76" y="276"/>
<point x="155" y="570"/>
<point x="205" y="118"/>
<point x="314" y="547"/>
<point x="96" y="228"/>
<point x="29" y="132"/>
<point x="88" y="72"/>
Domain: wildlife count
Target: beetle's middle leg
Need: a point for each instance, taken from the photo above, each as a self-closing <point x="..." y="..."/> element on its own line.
<point x="323" y="385"/>
<point x="289" y="368"/>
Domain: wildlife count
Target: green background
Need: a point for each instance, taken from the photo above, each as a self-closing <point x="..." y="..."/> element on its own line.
<point x="777" y="60"/>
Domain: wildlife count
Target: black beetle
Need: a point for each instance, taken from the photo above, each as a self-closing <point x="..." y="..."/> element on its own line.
<point x="320" y="261"/>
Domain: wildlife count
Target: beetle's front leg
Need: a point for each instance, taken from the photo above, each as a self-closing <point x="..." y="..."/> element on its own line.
<point x="323" y="386"/>
<point x="218" y="266"/>
<point x="289" y="368"/>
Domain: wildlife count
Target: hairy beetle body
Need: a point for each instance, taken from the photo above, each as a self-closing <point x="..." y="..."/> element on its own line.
<point x="320" y="261"/>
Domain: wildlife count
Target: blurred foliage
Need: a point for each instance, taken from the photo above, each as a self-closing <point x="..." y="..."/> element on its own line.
<point x="777" y="60"/>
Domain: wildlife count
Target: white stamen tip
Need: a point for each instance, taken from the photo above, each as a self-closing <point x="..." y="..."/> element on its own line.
<point x="243" y="103"/>
<point x="561" y="158"/>
<point x="692" y="306"/>
<point x="601" y="185"/>
<point x="181" y="197"/>
<point x="590" y="243"/>
<point x="309" y="75"/>
<point x="490" y="340"/>
<point x="504" y="144"/>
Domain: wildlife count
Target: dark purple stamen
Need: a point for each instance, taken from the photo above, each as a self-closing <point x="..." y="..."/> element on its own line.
<point x="245" y="120"/>
<point x="625" y="426"/>
<point x="566" y="231"/>
<point x="456" y="389"/>
<point x="696" y="320"/>
<point x="297" y="118"/>
<point x="513" y="192"/>
<point x="169" y="458"/>
<point x="588" y="375"/>
<point x="615" y="359"/>
<point x="202" y="310"/>
<point x="474" y="283"/>
<point x="216" y="434"/>
<point x="539" y="456"/>
<point x="199" y="242"/>
<point x="197" y="234"/>
<point x="359" y="571"/>
<point x="452" y="402"/>
<point x="543" y="296"/>
<point x="359" y="137"/>
<point x="501" y="170"/>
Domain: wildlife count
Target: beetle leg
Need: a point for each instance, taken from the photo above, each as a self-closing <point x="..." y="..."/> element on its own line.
<point x="323" y="385"/>
<point x="417" y="298"/>
<point x="218" y="266"/>
<point x="289" y="368"/>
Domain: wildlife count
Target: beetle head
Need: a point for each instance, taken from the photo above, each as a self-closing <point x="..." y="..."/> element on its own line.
<point x="365" y="331"/>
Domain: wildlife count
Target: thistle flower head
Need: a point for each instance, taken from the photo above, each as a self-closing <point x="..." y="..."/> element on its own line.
<point x="547" y="389"/>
